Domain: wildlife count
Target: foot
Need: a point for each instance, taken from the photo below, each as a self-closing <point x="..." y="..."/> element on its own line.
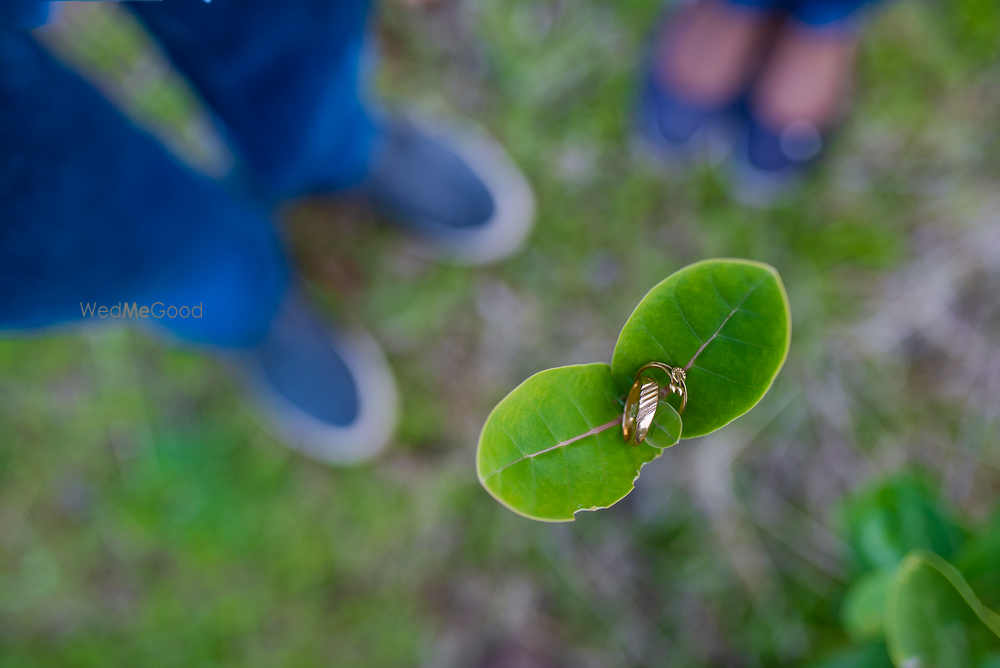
<point x="328" y="395"/>
<point x="801" y="93"/>
<point x="807" y="78"/>
<point x="455" y="189"/>
<point x="708" y="54"/>
<point x="701" y="63"/>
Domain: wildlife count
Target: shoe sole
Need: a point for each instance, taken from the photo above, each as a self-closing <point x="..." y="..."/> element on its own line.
<point x="377" y="407"/>
<point x="514" y="201"/>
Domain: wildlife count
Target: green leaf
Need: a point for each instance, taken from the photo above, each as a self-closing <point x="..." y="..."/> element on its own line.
<point x="933" y="619"/>
<point x="977" y="561"/>
<point x="554" y="445"/>
<point x="883" y="523"/>
<point x="726" y="322"/>
<point x="864" y="605"/>
<point x="871" y="655"/>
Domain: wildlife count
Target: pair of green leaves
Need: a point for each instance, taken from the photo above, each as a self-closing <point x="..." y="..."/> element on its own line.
<point x="911" y="596"/>
<point x="554" y="445"/>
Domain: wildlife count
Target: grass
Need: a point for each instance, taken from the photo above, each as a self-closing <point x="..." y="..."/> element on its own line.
<point x="147" y="519"/>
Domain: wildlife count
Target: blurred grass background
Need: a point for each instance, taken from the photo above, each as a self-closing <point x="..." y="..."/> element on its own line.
<point x="146" y="519"/>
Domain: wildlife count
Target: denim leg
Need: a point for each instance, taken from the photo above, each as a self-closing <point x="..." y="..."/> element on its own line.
<point x="763" y="5"/>
<point x="94" y="211"/>
<point x="817" y="13"/>
<point x="282" y="77"/>
<point x="23" y="14"/>
<point x="842" y="14"/>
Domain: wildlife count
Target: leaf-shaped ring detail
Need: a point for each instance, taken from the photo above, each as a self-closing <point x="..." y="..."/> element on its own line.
<point x="643" y="398"/>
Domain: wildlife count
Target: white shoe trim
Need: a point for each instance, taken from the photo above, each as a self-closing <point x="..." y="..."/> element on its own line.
<point x="513" y="199"/>
<point x="377" y="407"/>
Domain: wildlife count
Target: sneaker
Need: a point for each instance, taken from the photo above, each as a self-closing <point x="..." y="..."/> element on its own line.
<point x="794" y="106"/>
<point x="326" y="394"/>
<point x="766" y="165"/>
<point x="454" y="188"/>
<point x="683" y="116"/>
<point x="672" y="132"/>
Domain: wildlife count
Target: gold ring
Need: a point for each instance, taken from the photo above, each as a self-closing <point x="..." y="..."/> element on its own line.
<point x="644" y="397"/>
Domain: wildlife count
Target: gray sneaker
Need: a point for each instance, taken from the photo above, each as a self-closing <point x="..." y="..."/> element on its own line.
<point x="326" y="394"/>
<point x="454" y="188"/>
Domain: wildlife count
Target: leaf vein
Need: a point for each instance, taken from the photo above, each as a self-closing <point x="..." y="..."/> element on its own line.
<point x="680" y="310"/>
<point x="655" y="340"/>
<point x="604" y="469"/>
<point x="592" y="432"/>
<point x="752" y="387"/>
<point x="687" y="367"/>
<point x="746" y="343"/>
<point x="715" y="287"/>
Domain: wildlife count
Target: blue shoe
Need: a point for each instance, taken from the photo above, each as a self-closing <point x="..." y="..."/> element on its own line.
<point x="454" y="188"/>
<point x="672" y="131"/>
<point x="326" y="394"/>
<point x="766" y="165"/>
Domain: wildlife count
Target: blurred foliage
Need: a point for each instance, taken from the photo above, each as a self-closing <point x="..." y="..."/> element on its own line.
<point x="974" y="25"/>
<point x="934" y="619"/>
<point x="910" y="602"/>
<point x="978" y="562"/>
<point x="145" y="518"/>
<point x="901" y="514"/>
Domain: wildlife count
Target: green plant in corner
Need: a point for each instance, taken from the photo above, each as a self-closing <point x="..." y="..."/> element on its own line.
<point x="718" y="331"/>
<point x="917" y="598"/>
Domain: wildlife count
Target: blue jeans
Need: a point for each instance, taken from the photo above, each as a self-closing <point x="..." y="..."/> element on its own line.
<point x="817" y="13"/>
<point x="95" y="213"/>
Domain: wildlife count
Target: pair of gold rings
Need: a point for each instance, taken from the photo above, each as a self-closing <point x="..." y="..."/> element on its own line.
<point x="644" y="397"/>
